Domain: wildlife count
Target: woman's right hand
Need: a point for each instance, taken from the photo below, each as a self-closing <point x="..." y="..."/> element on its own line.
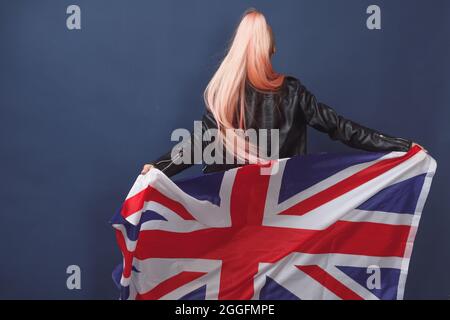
<point x="146" y="168"/>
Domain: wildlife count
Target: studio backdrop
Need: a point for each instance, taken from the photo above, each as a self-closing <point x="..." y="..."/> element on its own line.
<point x="91" y="90"/>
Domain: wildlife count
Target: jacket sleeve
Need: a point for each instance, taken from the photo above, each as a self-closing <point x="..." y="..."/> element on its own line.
<point x="170" y="163"/>
<point x="323" y="118"/>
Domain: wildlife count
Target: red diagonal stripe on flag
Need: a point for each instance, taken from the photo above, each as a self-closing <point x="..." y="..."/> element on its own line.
<point x="329" y="282"/>
<point x="136" y="203"/>
<point x="348" y="184"/>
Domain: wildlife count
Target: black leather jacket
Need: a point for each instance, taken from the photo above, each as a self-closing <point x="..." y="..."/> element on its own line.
<point x="291" y="109"/>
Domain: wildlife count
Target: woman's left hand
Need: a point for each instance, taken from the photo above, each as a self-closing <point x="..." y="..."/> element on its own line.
<point x="146" y="168"/>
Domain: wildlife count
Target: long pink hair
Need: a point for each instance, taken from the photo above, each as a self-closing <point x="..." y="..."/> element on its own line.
<point x="248" y="59"/>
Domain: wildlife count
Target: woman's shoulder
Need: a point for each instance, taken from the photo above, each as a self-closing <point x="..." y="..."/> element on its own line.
<point x="292" y="80"/>
<point x="292" y="84"/>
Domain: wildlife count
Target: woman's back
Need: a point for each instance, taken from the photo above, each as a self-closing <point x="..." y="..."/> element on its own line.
<point x="290" y="111"/>
<point x="267" y="112"/>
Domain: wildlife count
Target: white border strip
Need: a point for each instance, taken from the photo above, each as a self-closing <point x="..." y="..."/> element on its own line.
<point x="413" y="230"/>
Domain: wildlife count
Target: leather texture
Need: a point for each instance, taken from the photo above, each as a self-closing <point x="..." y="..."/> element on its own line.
<point x="291" y="109"/>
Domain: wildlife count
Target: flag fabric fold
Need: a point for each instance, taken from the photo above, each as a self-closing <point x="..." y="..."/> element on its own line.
<point x="322" y="226"/>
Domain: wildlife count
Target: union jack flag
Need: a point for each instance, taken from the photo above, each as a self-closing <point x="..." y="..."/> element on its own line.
<point x="321" y="226"/>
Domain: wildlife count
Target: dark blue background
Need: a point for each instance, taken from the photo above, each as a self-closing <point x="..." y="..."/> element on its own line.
<point x="82" y="111"/>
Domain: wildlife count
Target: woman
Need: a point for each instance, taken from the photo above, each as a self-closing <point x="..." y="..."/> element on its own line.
<point x="245" y="92"/>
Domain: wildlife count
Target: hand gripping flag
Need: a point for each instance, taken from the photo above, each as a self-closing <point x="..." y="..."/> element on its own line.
<point x="320" y="227"/>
